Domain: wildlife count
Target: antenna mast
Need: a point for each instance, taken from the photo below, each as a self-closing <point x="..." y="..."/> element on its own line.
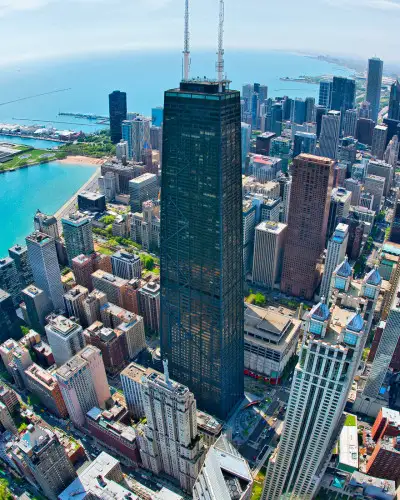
<point x="186" y="50"/>
<point x="220" y="61"/>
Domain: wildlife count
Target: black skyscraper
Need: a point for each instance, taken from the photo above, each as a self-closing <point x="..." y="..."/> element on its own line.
<point x="374" y="84"/>
<point x="394" y="102"/>
<point x="9" y="322"/>
<point x="343" y="94"/>
<point x="201" y="243"/>
<point x="118" y="110"/>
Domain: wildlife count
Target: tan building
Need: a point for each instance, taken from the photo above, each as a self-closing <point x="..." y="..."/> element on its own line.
<point x="112" y="286"/>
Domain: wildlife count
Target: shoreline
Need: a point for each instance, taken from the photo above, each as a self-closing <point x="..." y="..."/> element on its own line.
<point x="82" y="160"/>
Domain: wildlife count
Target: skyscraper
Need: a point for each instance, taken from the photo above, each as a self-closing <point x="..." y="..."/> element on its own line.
<point x="136" y="133"/>
<point x="65" y="338"/>
<point x="350" y="123"/>
<point x="118" y="110"/>
<point x="246" y="138"/>
<point x="42" y="256"/>
<point x="330" y="132"/>
<point x="339" y="207"/>
<point x="343" y="94"/>
<point x="325" y="94"/>
<point x="335" y="254"/>
<point x="9" y="324"/>
<point x="78" y="236"/>
<point x="304" y="142"/>
<point x="310" y="109"/>
<point x="320" y="111"/>
<point x="37" y="307"/>
<point x="374" y="84"/>
<point x="394" y="101"/>
<point x="312" y="179"/>
<point x="9" y="279"/>
<point x="19" y="255"/>
<point x="202" y="264"/>
<point x="379" y="141"/>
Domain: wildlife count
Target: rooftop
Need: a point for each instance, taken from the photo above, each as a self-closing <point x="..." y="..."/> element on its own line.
<point x="136" y="372"/>
<point x="6" y="261"/>
<point x="39" y="238"/>
<point x="271" y="227"/>
<point x="41" y="376"/>
<point x="76" y="219"/>
<point x="62" y="326"/>
<point x="142" y="178"/>
<point x="32" y="291"/>
<point x="110" y="278"/>
<point x="348" y="446"/>
<point x="90" y="195"/>
<point x="208" y="423"/>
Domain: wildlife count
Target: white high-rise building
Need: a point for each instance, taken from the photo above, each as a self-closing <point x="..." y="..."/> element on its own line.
<point x="225" y="474"/>
<point x="78" y="235"/>
<point x="83" y="383"/>
<point x="330" y="132"/>
<point x="285" y="188"/>
<point x="329" y="357"/>
<point x="121" y="150"/>
<point x="335" y="254"/>
<point x="65" y="338"/>
<point x="379" y="141"/>
<point x="42" y="255"/>
<point x="169" y="441"/>
<point x="268" y="253"/>
<point x="350" y="123"/>
<point x="132" y="379"/>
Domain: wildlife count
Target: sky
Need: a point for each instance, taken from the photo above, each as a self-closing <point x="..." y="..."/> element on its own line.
<point x="38" y="29"/>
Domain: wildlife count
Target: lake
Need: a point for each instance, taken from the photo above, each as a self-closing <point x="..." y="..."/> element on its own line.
<point x="47" y="187"/>
<point x="34" y="143"/>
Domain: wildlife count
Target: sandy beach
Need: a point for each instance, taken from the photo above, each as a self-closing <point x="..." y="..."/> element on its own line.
<point x="84" y="160"/>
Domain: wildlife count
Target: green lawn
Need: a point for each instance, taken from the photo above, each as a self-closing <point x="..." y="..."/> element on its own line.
<point x="32" y="157"/>
<point x="104" y="250"/>
<point x="351" y="421"/>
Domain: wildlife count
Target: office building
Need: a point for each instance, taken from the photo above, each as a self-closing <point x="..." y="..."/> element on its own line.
<point x="391" y="154"/>
<point x="44" y="385"/>
<point x="149" y="306"/>
<point x="9" y="322"/>
<point x="343" y="94"/>
<point x="375" y="185"/>
<point x="270" y="340"/>
<point x="246" y="138"/>
<point x="112" y="344"/>
<point x="83" y="383"/>
<point x="83" y="267"/>
<point x="9" y="279"/>
<point x="304" y="142"/>
<point x="374" y="84"/>
<point x="325" y="94"/>
<point x="136" y="133"/>
<point x="92" y="202"/>
<point x="123" y="173"/>
<point x="336" y="252"/>
<point x="249" y="224"/>
<point x="126" y="265"/>
<point x="329" y="357"/>
<point x="91" y="306"/>
<point x="263" y="143"/>
<point x="350" y="123"/>
<point x="281" y="148"/>
<point x="132" y="379"/>
<point x="112" y="286"/>
<point x="365" y="130"/>
<point x="287" y="105"/>
<point x="118" y="110"/>
<point x="42" y="256"/>
<point x="6" y="352"/>
<point x="74" y="300"/>
<point x="320" y="111"/>
<point x="9" y="398"/>
<point x="367" y="200"/>
<point x="209" y="428"/>
<point x="157" y="116"/>
<point x="329" y="137"/>
<point x="201" y="282"/>
<point x="46" y="224"/>
<point x="20" y="361"/>
<point x="285" y="187"/>
<point x="108" y="185"/>
<point x="354" y="186"/>
<point x="46" y="460"/>
<point x="268" y="253"/>
<point x="169" y="441"/>
<point x="121" y="150"/>
<point x="65" y="338"/>
<point x="382" y="169"/>
<point x="37" y="307"/>
<point x="379" y="137"/>
<point x="338" y="209"/>
<point x="145" y="226"/>
<point x="78" y="236"/>
<point x="19" y="255"/>
<point x="310" y="109"/>
<point x="299" y="112"/>
<point x="276" y="119"/>
<point x="394" y="101"/>
<point x="395" y="229"/>
<point x="264" y="168"/>
<point x="385" y="459"/>
<point x="308" y="217"/>
<point x="6" y="420"/>
<point x="142" y="188"/>
<point x="225" y="474"/>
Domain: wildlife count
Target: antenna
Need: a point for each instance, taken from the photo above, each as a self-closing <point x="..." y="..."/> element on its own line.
<point x="220" y="61"/>
<point x="186" y="50"/>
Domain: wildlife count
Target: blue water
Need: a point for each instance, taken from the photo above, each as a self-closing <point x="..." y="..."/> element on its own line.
<point x="22" y="192"/>
<point x="144" y="76"/>
<point x="34" y="143"/>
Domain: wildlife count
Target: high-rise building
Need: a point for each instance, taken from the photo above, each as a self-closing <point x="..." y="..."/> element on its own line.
<point x="375" y="185"/>
<point x="46" y="460"/>
<point x="343" y="94"/>
<point x="132" y="379"/>
<point x="246" y="138"/>
<point x="310" y="109"/>
<point x="202" y="265"/>
<point x="121" y="150"/>
<point x="157" y="116"/>
<point x="42" y="256"/>
<point x="225" y="474"/>
<point x="65" y="338"/>
<point x="126" y="265"/>
<point x="136" y="133"/>
<point x="350" y="123"/>
<point x="330" y="132"/>
<point x="112" y="286"/>
<point x="329" y="357"/>
<point x="354" y="186"/>
<point x="374" y="84"/>
<point x="9" y="323"/>
<point x="44" y="385"/>
<point x="308" y="217"/>
<point x="142" y="188"/>
<point x="46" y="224"/>
<point x="169" y="441"/>
<point x="379" y="141"/>
<point x="320" y="111"/>
<point x="74" y="300"/>
<point x="78" y="235"/>
<point x="365" y="130"/>
<point x="37" y="307"/>
<point x="149" y="305"/>
<point x="280" y="148"/>
<point x="325" y="94"/>
<point x="392" y="151"/>
<point x="83" y="383"/>
<point x="268" y="253"/>
<point x="19" y="255"/>
<point x="381" y="169"/>
<point x="285" y="188"/>
<point x="335" y="254"/>
<point x="92" y="305"/>
<point x="92" y="202"/>
<point x="263" y="143"/>
<point x="9" y="279"/>
<point x="299" y="111"/>
<point x="83" y="267"/>
<point x="145" y="226"/>
<point x="304" y="142"/>
<point x="394" y="101"/>
<point x="108" y="185"/>
<point x="339" y="208"/>
<point x="118" y="110"/>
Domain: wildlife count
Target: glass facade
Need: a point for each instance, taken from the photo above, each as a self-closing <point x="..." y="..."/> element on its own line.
<point x="202" y="244"/>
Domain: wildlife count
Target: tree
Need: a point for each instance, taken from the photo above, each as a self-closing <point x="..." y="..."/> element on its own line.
<point x="107" y="219"/>
<point x="25" y="330"/>
<point x="259" y="299"/>
<point x="5" y="493"/>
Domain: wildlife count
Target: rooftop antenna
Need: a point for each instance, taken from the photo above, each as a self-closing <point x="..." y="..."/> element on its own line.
<point x="220" y="61"/>
<point x="186" y="50"/>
